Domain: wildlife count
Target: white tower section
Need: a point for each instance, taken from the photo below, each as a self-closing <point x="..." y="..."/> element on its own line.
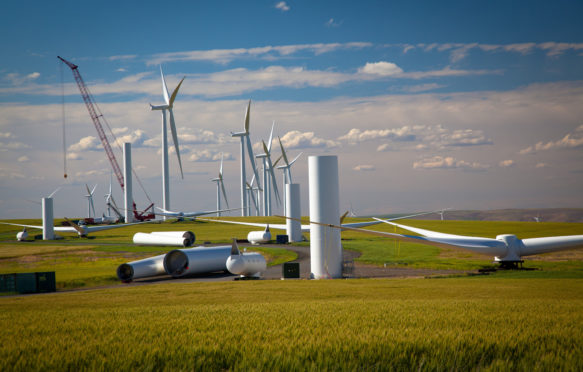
<point x="127" y="175"/>
<point x="325" y="246"/>
<point x="165" y="169"/>
<point x="48" y="223"/>
<point x="293" y="210"/>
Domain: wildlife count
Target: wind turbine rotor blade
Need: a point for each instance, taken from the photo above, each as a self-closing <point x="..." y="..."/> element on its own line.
<point x="343" y="217"/>
<point x="270" y="137"/>
<point x="164" y="88"/>
<point x="221" y="168"/>
<point x="175" y="139"/>
<point x="252" y="181"/>
<point x="223" y="190"/>
<point x="296" y="158"/>
<point x="92" y="191"/>
<point x="92" y="206"/>
<point x="88" y="192"/>
<point x="252" y="157"/>
<point x="283" y="153"/>
<point x="173" y="96"/>
<point x="252" y="196"/>
<point x="54" y="192"/>
<point x="247" y="115"/>
<point x="277" y="161"/>
<point x="272" y="174"/>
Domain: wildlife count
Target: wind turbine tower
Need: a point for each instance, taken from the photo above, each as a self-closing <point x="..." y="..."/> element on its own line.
<point x="220" y="187"/>
<point x="168" y="107"/>
<point x="245" y="138"/>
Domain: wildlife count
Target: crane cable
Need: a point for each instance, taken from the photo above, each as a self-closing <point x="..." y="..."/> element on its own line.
<point x="63" y="115"/>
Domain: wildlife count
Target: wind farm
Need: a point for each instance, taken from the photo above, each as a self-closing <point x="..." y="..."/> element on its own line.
<point x="428" y="214"/>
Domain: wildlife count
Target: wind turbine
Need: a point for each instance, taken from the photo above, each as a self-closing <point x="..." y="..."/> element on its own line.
<point x="251" y="195"/>
<point x="266" y="184"/>
<point x="220" y="187"/>
<point x="245" y="138"/>
<point x="270" y="179"/>
<point x="89" y="197"/>
<point x="108" y="197"/>
<point x="286" y="169"/>
<point x="168" y="107"/>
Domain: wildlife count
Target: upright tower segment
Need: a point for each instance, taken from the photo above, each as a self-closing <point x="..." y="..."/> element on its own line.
<point x="325" y="246"/>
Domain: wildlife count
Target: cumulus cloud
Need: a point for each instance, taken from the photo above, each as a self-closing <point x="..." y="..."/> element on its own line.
<point x="74" y="156"/>
<point x="282" y="5"/>
<point x="300" y="140"/>
<point x="364" y="168"/>
<point x="506" y="163"/>
<point x="23" y="159"/>
<point x="355" y="135"/>
<point x="89" y="143"/>
<point x="383" y="147"/>
<point x="198" y="136"/>
<point x="13" y="146"/>
<point x="209" y="155"/>
<point x="435" y="136"/>
<point x="6" y="135"/>
<point x="440" y="162"/>
<point x="571" y="140"/>
<point x="381" y="68"/>
<point x="137" y="138"/>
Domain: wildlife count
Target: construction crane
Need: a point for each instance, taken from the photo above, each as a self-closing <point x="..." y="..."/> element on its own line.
<point x="95" y="117"/>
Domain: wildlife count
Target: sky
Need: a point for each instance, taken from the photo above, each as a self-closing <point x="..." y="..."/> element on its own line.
<point x="428" y="105"/>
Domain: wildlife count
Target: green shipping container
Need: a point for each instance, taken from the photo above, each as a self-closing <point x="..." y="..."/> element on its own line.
<point x="8" y="283"/>
<point x="45" y="282"/>
<point x="291" y="270"/>
<point x="26" y="282"/>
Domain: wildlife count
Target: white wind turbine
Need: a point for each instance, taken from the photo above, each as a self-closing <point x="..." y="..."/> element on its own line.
<point x="286" y="169"/>
<point x="251" y="196"/>
<point x="168" y="107"/>
<point x="245" y="138"/>
<point x="220" y="187"/>
<point x="89" y="197"/>
<point x="271" y="179"/>
<point x="266" y="184"/>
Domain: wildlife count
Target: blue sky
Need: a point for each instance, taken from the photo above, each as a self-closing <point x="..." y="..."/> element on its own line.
<point x="427" y="104"/>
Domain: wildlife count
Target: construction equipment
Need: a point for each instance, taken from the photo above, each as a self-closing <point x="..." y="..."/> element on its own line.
<point x="96" y="118"/>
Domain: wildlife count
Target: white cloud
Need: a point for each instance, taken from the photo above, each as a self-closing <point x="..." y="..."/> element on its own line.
<point x="6" y="135"/>
<point x="34" y="75"/>
<point x="282" y="5"/>
<point x="541" y="165"/>
<point x="440" y="162"/>
<point x="383" y="147"/>
<point x="571" y="140"/>
<point x="137" y="138"/>
<point x="364" y="168"/>
<point x="23" y="159"/>
<point x="355" y="135"/>
<point x="506" y="163"/>
<point x="435" y="136"/>
<point x="13" y="146"/>
<point x="300" y="140"/>
<point x="209" y="155"/>
<point x="421" y="87"/>
<point x="74" y="156"/>
<point x="381" y="68"/>
<point x="89" y="143"/>
<point x="332" y="23"/>
<point x="199" y="137"/>
<point x="267" y="52"/>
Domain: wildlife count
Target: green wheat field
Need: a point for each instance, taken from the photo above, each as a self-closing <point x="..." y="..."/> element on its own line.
<point x="521" y="320"/>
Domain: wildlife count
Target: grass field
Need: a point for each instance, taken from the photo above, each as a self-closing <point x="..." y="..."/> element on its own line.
<point x="92" y="262"/>
<point x="485" y="323"/>
<point x="507" y="321"/>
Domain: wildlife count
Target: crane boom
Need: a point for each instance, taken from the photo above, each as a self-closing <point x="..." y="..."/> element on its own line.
<point x="96" y="121"/>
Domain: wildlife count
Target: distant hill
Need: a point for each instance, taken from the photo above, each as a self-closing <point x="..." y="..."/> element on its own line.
<point x="544" y="215"/>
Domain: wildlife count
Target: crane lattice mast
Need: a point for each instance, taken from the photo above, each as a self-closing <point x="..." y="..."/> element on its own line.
<point x="96" y="120"/>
